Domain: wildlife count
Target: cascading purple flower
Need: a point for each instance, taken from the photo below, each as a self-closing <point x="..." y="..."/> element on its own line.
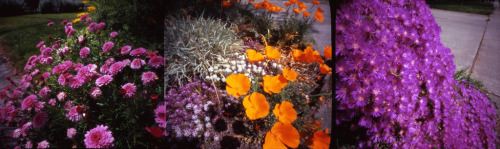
<point x="108" y="46"/>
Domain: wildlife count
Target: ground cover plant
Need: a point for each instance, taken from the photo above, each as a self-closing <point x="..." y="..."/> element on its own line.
<point x="396" y="86"/>
<point x="241" y="88"/>
<point x="87" y="88"/>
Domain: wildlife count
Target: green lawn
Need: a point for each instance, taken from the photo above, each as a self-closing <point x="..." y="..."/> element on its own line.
<point x="21" y="34"/>
<point x="462" y="6"/>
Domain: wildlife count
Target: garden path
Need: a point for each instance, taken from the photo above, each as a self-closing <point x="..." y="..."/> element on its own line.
<point x="6" y="69"/>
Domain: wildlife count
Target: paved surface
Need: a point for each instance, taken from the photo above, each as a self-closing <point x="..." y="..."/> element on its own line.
<point x="462" y="33"/>
<point x="487" y="64"/>
<point x="321" y="32"/>
<point x="5" y="69"/>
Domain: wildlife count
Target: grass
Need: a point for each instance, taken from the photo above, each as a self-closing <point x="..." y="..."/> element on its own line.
<point x="21" y="34"/>
<point x="485" y="8"/>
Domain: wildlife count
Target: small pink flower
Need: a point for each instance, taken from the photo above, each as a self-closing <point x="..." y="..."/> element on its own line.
<point x="52" y="102"/>
<point x="39" y="119"/>
<point x="87" y="21"/>
<point x="113" y="35"/>
<point x="74" y="115"/>
<point x="46" y="75"/>
<point x="95" y="92"/>
<point x="16" y="133"/>
<point x="138" y="52"/>
<point x="81" y="39"/>
<point x="45" y="93"/>
<point x="84" y="52"/>
<point x="50" y="23"/>
<point x="104" y="80"/>
<point x="101" y="26"/>
<point x="110" y="61"/>
<point x="67" y="105"/>
<point x="107" y="46"/>
<point x="116" y="67"/>
<point x="76" y="81"/>
<point x="126" y="49"/>
<point x="104" y="68"/>
<point x="39" y="106"/>
<point x="83" y="17"/>
<point x="129" y="89"/>
<point x="61" y="68"/>
<point x="99" y="137"/>
<point x="29" y="144"/>
<point x="40" y="44"/>
<point x="161" y="115"/>
<point x="46" y="51"/>
<point x="71" y="133"/>
<point x="137" y="63"/>
<point x="151" y="55"/>
<point x="156" y="62"/>
<point x="44" y="144"/>
<point x="126" y="62"/>
<point x="148" y="78"/>
<point x="77" y="66"/>
<point x="63" y="23"/>
<point x="61" y="96"/>
<point x="28" y="102"/>
<point x="63" y="78"/>
<point x="93" y="27"/>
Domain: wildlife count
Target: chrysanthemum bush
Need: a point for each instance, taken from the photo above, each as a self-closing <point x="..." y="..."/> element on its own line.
<point x="395" y="82"/>
<point x="88" y="89"/>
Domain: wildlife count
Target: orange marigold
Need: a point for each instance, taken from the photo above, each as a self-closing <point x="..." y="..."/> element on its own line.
<point x="324" y="69"/>
<point x="328" y="52"/>
<point x="254" y="56"/>
<point x="256" y="106"/>
<point x="282" y="134"/>
<point x="237" y="85"/>
<point x="321" y="140"/>
<point x="273" y="84"/>
<point x="285" y="112"/>
<point x="272" y="53"/>
<point x="290" y="74"/>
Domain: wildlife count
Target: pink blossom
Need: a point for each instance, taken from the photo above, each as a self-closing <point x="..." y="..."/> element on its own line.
<point x="104" y="80"/>
<point x="28" y="102"/>
<point x="63" y="23"/>
<point x="110" y="61"/>
<point x="61" y="96"/>
<point x="116" y="67"/>
<point x="74" y="115"/>
<point x="137" y="63"/>
<point x="77" y="66"/>
<point x="156" y="61"/>
<point x="87" y="21"/>
<point x="129" y="89"/>
<point x="46" y="51"/>
<point x="76" y="81"/>
<point x="39" y="119"/>
<point x="61" y="68"/>
<point x="138" y="52"/>
<point x="52" y="102"/>
<point x="151" y="55"/>
<point x="148" y="78"/>
<point x="107" y="46"/>
<point x="40" y="44"/>
<point x="16" y="133"/>
<point x="50" y="23"/>
<point x="161" y="115"/>
<point x="104" y="68"/>
<point x="84" y="52"/>
<point x="39" y="106"/>
<point x="99" y="137"/>
<point x="45" y="93"/>
<point x="101" y="26"/>
<point x="63" y="78"/>
<point x="29" y="144"/>
<point x="25" y="128"/>
<point x="93" y="27"/>
<point x="46" y="75"/>
<point x="95" y="92"/>
<point x="126" y="62"/>
<point x="44" y="144"/>
<point x="64" y="50"/>
<point x="83" y="17"/>
<point x="35" y="72"/>
<point x="81" y="39"/>
<point x="71" y="133"/>
<point x="113" y="35"/>
<point x="68" y="104"/>
<point x="125" y="49"/>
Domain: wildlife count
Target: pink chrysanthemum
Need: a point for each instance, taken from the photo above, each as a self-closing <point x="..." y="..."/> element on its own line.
<point x="116" y="67"/>
<point x="148" y="78"/>
<point x="28" y="102"/>
<point x="126" y="62"/>
<point x="44" y="144"/>
<point x="50" y="23"/>
<point x="62" y="79"/>
<point x="87" y="21"/>
<point x="16" y="133"/>
<point x="71" y="133"/>
<point x="107" y="46"/>
<point x="161" y="115"/>
<point x="40" y="44"/>
<point x="46" y="51"/>
<point x="46" y="75"/>
<point x="104" y="80"/>
<point x="77" y="66"/>
<point x="25" y="128"/>
<point x="73" y="114"/>
<point x="81" y="40"/>
<point x="95" y="92"/>
<point x="138" y="52"/>
<point x="39" y="119"/>
<point x="151" y="55"/>
<point x="92" y="27"/>
<point x="28" y="144"/>
<point x="83" y="17"/>
<point x="137" y="63"/>
<point x="76" y="81"/>
<point x="156" y="61"/>
<point x="45" y="93"/>
<point x="110" y="61"/>
<point x="129" y="89"/>
<point x="113" y="35"/>
<point x="104" y="68"/>
<point x="99" y="137"/>
<point x="61" y="68"/>
<point x="126" y="49"/>
<point x="39" y="106"/>
<point x="52" y="102"/>
<point x="101" y="26"/>
<point x="84" y="52"/>
<point x="61" y="96"/>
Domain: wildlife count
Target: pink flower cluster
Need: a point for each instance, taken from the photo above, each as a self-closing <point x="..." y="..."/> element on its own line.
<point x="99" y="137"/>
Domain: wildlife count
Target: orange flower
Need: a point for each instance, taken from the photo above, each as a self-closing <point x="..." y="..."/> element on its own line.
<point x="296" y="10"/>
<point x="302" y="5"/>
<point x="306" y="14"/>
<point x="272" y="53"/>
<point x="320" y="10"/>
<point x="284" y="112"/>
<point x="318" y="16"/>
<point x="226" y="4"/>
<point x="315" y="2"/>
<point x="324" y="69"/>
<point x="273" y="84"/>
<point x="237" y="85"/>
<point x="320" y="98"/>
<point x="298" y="55"/>
<point x="321" y="140"/>
<point x="312" y="56"/>
<point x="290" y="74"/>
<point x="254" y="56"/>
<point x="257" y="5"/>
<point x="85" y="1"/>
<point x="282" y="134"/>
<point x="251" y="0"/>
<point x="256" y="106"/>
<point x="328" y="52"/>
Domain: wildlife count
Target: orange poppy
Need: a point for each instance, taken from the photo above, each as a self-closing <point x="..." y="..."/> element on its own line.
<point x="226" y="4"/>
<point x="285" y="112"/>
<point x="321" y="140"/>
<point x="296" y="10"/>
<point x="328" y="52"/>
<point x="298" y="55"/>
<point x="320" y="10"/>
<point x="315" y="2"/>
<point x="256" y="106"/>
<point x="257" y="5"/>
<point x="306" y="14"/>
<point x="273" y="84"/>
<point x="254" y="56"/>
<point x="324" y="69"/>
<point x="320" y="98"/>
<point x="272" y="53"/>
<point x="290" y="74"/>
<point x="312" y="56"/>
<point x="302" y="5"/>
<point x="237" y="85"/>
<point x="318" y="16"/>
<point x="282" y="134"/>
<point x="251" y="0"/>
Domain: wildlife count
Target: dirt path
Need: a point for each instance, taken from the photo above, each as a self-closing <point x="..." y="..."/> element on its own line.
<point x="6" y="68"/>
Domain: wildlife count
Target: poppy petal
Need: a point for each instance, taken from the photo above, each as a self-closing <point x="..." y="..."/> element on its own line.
<point x="271" y="142"/>
<point x="285" y="112"/>
<point x="287" y="134"/>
